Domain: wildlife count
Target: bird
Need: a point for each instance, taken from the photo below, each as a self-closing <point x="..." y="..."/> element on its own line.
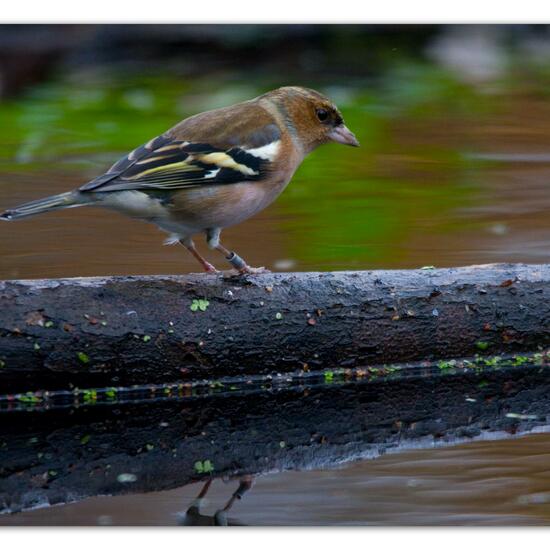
<point x="212" y="170"/>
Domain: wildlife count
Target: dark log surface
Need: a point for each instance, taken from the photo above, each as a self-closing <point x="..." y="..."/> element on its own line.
<point x="91" y="332"/>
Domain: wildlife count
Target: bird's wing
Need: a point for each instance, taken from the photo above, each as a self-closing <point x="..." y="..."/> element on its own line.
<point x="180" y="164"/>
<point x="225" y="146"/>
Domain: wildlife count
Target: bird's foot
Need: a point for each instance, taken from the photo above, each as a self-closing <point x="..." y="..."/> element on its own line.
<point x="209" y="268"/>
<point x="247" y="270"/>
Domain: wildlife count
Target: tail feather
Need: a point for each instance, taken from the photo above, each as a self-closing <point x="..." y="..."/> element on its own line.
<point x="55" y="202"/>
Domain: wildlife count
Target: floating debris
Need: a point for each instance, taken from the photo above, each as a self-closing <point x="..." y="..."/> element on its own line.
<point x="284" y="264"/>
<point x="35" y="318"/>
<point x="522" y="416"/>
<point x="126" y="478"/>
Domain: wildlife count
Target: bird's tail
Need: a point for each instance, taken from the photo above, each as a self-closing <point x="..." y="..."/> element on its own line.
<point x="54" y="202"/>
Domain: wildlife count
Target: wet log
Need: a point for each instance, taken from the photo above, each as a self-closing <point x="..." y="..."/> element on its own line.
<point x="121" y="331"/>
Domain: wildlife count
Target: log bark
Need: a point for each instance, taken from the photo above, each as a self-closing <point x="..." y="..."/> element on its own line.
<point x="91" y="332"/>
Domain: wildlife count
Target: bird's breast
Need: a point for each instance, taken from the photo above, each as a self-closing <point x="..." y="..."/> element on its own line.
<point x="224" y="205"/>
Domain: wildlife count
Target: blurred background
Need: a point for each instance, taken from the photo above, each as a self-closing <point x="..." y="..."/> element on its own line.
<point x="454" y="123"/>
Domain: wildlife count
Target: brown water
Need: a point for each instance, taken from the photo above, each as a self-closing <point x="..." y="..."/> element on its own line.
<point x="441" y="181"/>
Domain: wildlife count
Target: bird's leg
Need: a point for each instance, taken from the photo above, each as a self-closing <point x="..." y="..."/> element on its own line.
<point x="245" y="483"/>
<point x="190" y="245"/>
<point x="205" y="488"/>
<point x="193" y="515"/>
<point x="213" y="240"/>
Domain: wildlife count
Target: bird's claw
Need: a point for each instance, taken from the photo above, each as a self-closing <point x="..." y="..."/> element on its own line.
<point x="209" y="268"/>
<point x="247" y="270"/>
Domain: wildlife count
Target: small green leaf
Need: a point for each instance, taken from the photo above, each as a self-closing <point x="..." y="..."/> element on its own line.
<point x="83" y="358"/>
<point x="149" y="447"/>
<point x="200" y="304"/>
<point x="29" y="397"/>
<point x="447" y="364"/>
<point x="90" y="395"/>
<point x="204" y="467"/>
<point x="146" y="338"/>
<point x="36" y="346"/>
<point x="329" y="375"/>
<point x="482" y="345"/>
<point x="85" y="439"/>
<point x="48" y="324"/>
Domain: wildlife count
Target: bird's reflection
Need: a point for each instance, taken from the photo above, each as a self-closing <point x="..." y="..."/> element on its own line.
<point x="193" y="514"/>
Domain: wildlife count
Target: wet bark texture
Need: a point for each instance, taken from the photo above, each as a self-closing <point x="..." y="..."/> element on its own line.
<point x="90" y="332"/>
<point x="66" y="454"/>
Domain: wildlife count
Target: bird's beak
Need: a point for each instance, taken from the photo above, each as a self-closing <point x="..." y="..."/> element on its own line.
<point x="342" y="134"/>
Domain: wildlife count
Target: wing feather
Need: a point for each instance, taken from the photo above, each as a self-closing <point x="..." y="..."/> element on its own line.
<point x="167" y="164"/>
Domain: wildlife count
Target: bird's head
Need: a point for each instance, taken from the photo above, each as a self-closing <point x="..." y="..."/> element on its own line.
<point x="311" y="117"/>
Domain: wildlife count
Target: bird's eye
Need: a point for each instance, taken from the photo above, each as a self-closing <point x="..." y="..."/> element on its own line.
<point x="322" y="114"/>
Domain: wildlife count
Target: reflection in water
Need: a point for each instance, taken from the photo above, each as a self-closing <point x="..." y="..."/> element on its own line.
<point x="193" y="516"/>
<point x="150" y="454"/>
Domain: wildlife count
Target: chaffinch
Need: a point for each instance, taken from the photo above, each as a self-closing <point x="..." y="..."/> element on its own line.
<point x="212" y="170"/>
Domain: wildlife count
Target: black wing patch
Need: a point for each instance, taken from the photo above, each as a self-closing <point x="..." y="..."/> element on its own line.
<point x="165" y="164"/>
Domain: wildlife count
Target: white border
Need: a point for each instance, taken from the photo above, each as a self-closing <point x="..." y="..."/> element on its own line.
<point x="275" y="11"/>
<point x="244" y="538"/>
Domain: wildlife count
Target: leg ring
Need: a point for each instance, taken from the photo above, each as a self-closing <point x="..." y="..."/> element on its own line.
<point x="236" y="261"/>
